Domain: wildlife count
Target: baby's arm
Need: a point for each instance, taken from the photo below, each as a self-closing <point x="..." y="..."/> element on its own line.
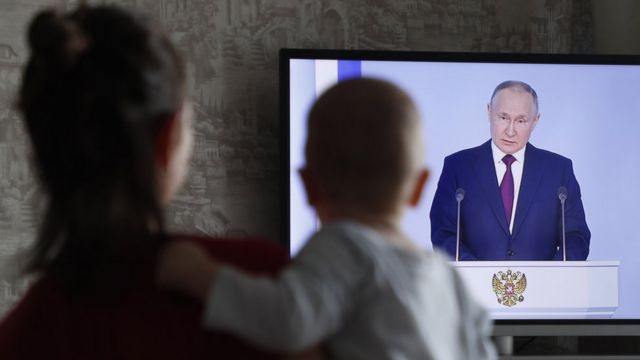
<point x="299" y="309"/>
<point x="186" y="267"/>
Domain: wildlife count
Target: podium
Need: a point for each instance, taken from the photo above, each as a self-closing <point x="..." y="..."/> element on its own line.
<point x="543" y="289"/>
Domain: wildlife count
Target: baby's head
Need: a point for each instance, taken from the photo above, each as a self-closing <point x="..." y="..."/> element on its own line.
<point x="364" y="150"/>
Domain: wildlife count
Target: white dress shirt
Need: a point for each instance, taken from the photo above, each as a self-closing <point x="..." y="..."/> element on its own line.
<point x="516" y="171"/>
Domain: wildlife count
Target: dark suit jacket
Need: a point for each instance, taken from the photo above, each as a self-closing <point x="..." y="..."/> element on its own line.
<point x="484" y="233"/>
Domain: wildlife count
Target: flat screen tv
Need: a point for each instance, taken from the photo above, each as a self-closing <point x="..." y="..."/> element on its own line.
<point x="589" y="109"/>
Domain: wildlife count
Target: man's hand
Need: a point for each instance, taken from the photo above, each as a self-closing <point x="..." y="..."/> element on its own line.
<point x="185" y="267"/>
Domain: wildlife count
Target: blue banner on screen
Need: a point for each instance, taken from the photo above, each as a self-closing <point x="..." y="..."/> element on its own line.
<point x="348" y="69"/>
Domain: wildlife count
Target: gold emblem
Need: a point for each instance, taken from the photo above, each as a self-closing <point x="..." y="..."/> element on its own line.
<point x="509" y="287"/>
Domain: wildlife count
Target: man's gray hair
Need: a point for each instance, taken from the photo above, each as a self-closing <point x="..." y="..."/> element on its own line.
<point x="518" y="86"/>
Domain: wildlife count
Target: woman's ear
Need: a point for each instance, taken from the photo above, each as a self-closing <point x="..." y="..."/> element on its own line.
<point x="172" y="148"/>
<point x="166" y="139"/>
<point x="416" y="194"/>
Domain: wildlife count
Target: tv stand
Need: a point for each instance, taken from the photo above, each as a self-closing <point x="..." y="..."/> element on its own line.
<point x="569" y="357"/>
<point x="567" y="347"/>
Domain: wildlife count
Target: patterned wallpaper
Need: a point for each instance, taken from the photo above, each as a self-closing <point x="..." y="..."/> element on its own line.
<point x="232" y="48"/>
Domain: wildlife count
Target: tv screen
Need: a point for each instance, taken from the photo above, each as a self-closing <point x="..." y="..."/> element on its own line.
<point x="589" y="115"/>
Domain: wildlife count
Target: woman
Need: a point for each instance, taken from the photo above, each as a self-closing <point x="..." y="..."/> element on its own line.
<point x="104" y="101"/>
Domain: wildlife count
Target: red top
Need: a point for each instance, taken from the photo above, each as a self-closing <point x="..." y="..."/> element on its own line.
<point x="143" y="324"/>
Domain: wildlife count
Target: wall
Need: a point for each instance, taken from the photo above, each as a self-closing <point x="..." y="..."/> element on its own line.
<point x="231" y="47"/>
<point x="616" y="25"/>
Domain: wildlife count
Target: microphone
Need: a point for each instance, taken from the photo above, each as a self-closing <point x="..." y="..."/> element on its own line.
<point x="459" y="198"/>
<point x="562" y="195"/>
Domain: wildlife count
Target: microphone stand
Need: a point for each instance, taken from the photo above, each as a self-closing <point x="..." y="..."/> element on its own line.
<point x="562" y="195"/>
<point x="459" y="197"/>
<point x="564" y="235"/>
<point x="458" y="235"/>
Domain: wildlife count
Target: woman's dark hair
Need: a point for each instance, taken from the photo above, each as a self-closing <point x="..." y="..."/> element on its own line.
<point x="100" y="84"/>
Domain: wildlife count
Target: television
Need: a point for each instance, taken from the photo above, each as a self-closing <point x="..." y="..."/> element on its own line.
<point x="590" y="113"/>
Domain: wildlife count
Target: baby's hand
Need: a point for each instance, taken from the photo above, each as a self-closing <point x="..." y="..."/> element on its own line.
<point x="185" y="267"/>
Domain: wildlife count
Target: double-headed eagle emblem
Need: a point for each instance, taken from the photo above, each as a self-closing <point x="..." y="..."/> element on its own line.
<point x="509" y="287"/>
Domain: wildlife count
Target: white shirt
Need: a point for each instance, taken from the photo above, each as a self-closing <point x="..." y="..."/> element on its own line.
<point x="361" y="296"/>
<point x="516" y="171"/>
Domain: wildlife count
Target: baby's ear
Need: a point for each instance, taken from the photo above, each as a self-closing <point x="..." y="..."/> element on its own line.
<point x="418" y="188"/>
<point x="310" y="185"/>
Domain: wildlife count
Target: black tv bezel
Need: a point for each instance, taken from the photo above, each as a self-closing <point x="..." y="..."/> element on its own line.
<point x="534" y="327"/>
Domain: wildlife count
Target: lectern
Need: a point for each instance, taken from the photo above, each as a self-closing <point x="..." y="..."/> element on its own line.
<point x="543" y="289"/>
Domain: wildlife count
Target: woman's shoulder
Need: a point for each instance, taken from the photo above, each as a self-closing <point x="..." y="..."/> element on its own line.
<point x="25" y="321"/>
<point x="143" y="322"/>
<point x="250" y="253"/>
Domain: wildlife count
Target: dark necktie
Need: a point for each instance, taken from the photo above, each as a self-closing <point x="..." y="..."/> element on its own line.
<point x="506" y="187"/>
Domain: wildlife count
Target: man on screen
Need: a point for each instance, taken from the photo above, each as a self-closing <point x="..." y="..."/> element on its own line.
<point x="511" y="208"/>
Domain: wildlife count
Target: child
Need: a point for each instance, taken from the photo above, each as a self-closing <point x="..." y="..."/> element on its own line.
<point x="359" y="285"/>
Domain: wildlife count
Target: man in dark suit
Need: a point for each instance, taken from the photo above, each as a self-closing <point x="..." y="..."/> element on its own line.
<point x="511" y="208"/>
